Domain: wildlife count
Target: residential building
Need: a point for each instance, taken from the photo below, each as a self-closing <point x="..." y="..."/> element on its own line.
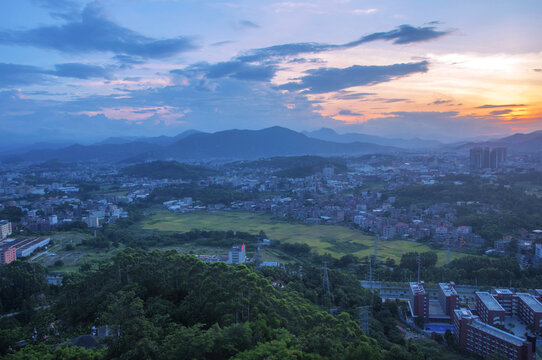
<point x="419" y="300"/>
<point x="476" y="336"/>
<point x="5" y="229"/>
<point x="448" y="298"/>
<point x="530" y="310"/>
<point x="489" y="309"/>
<point x="7" y="254"/>
<point x="237" y="255"/>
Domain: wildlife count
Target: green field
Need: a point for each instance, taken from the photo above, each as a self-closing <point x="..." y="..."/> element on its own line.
<point x="332" y="239"/>
<point x="72" y="259"/>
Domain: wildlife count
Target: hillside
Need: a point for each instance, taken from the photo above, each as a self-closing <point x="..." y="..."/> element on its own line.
<point x="299" y="166"/>
<point x="223" y="145"/>
<point x="270" y="142"/>
<point x="331" y="135"/>
<point x="167" y="170"/>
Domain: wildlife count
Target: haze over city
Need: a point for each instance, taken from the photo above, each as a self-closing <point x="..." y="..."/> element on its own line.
<point x="82" y="71"/>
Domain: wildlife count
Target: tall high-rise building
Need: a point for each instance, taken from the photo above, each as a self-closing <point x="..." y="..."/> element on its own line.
<point x="486" y="158"/>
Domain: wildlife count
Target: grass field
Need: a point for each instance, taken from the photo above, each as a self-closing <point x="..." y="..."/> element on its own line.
<point x="72" y="259"/>
<point x="334" y="240"/>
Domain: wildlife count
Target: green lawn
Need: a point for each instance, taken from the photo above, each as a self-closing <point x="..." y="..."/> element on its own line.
<point x="335" y="240"/>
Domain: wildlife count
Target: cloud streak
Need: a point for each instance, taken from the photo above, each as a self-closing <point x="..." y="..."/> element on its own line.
<point x="17" y="75"/>
<point x="489" y="106"/>
<point x="404" y="34"/>
<point x="324" y="80"/>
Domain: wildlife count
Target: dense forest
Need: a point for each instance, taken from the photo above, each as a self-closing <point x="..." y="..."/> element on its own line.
<point x="169" y="306"/>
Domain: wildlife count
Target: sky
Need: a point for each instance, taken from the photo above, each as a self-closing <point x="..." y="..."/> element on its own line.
<point x="82" y="71"/>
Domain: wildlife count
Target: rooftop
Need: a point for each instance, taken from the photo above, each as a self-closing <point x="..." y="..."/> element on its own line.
<point x="489" y="301"/>
<point x="417" y="288"/>
<point x="503" y="291"/>
<point x="447" y="289"/>
<point x="503" y="335"/>
<point x="530" y="301"/>
<point x="464" y="314"/>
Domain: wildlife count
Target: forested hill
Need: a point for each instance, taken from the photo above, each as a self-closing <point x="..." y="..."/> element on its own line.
<point x="171" y="306"/>
<point x="168" y="170"/>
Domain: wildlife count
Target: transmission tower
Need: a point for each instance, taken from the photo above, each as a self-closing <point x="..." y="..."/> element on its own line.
<point x="364" y="318"/>
<point x="419" y="264"/>
<point x="326" y="297"/>
<point x="258" y="259"/>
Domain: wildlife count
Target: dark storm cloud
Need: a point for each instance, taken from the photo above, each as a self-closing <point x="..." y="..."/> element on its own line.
<point x="93" y="32"/>
<point x="324" y="80"/>
<point x="499" y="106"/>
<point x="404" y="34"/>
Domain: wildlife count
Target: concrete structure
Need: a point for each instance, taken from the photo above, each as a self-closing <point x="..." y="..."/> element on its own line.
<point x="25" y="246"/>
<point x="53" y="219"/>
<point x="5" y="229"/>
<point x="419" y="300"/>
<point x="489" y="309"/>
<point x="7" y="254"/>
<point x="237" y="255"/>
<point x="448" y="298"/>
<point x="530" y="310"/>
<point x="476" y="336"/>
<point x="507" y="299"/>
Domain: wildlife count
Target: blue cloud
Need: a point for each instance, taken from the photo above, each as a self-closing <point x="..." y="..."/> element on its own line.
<point x="93" y="32"/>
<point x="233" y="69"/>
<point x="325" y="80"/>
<point x="81" y="71"/>
<point x="248" y="24"/>
<point x="17" y="75"/>
<point x="347" y="112"/>
<point x="490" y="106"/>
<point x="501" y="112"/>
<point x="404" y="34"/>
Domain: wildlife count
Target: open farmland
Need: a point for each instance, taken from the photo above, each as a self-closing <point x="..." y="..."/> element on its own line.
<point x="332" y="239"/>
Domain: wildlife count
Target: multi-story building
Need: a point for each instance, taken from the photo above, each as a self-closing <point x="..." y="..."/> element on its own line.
<point x="489" y="309"/>
<point x="507" y="299"/>
<point x="237" y="255"/>
<point x="476" y="336"/>
<point x="7" y="254"/>
<point x="5" y="229"/>
<point x="419" y="300"/>
<point x="448" y="298"/>
<point x="530" y="310"/>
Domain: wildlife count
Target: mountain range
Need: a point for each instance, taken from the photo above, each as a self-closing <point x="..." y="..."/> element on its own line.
<point x="331" y="135"/>
<point x="526" y="143"/>
<point x="193" y="145"/>
<point x="222" y="146"/>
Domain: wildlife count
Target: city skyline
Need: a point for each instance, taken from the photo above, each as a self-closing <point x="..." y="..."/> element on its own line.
<point x="83" y="71"/>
